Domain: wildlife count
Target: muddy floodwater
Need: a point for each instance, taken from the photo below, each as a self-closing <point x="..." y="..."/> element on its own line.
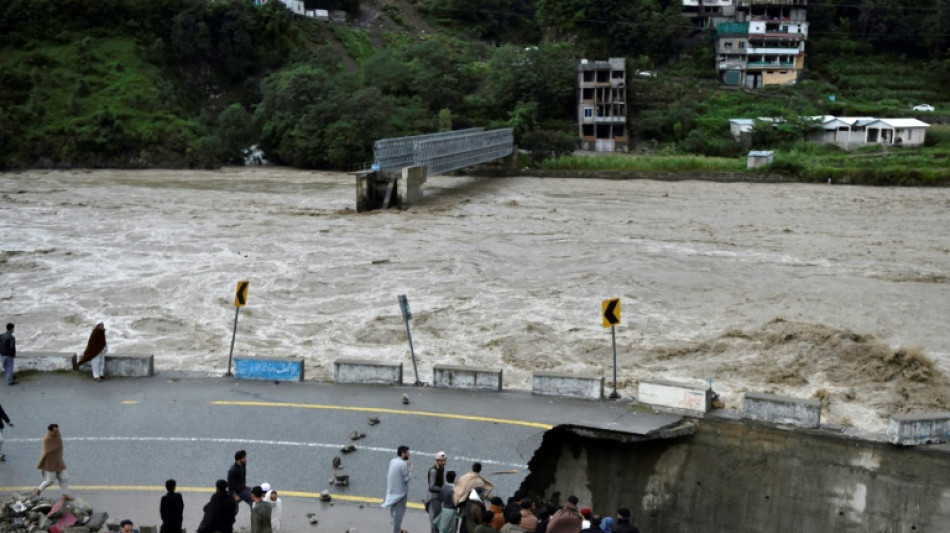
<point x="836" y="292"/>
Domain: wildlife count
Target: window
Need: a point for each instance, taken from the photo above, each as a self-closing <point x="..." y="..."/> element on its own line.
<point x="588" y="112"/>
<point x="727" y="44"/>
<point x="741" y="45"/>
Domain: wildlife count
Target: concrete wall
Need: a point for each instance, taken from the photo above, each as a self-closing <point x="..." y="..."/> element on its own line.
<point x="567" y="385"/>
<point x="361" y="371"/>
<point x="741" y="476"/>
<point x="45" y="361"/>
<point x="919" y="428"/>
<point x="693" y="398"/>
<point x="466" y="377"/>
<point x="130" y="365"/>
<point x="781" y="409"/>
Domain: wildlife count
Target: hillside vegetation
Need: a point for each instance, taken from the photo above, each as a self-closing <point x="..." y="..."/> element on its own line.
<point x="172" y="83"/>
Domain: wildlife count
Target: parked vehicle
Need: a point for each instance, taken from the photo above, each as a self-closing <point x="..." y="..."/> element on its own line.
<point x="923" y="107"/>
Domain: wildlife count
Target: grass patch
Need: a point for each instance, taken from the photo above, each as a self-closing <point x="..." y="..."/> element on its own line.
<point x="356" y="42"/>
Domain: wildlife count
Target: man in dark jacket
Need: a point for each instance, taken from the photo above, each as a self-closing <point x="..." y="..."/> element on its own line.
<point x="219" y="511"/>
<point x="237" y="481"/>
<point x="623" y="524"/>
<point x="171" y="509"/>
<point x="8" y="354"/>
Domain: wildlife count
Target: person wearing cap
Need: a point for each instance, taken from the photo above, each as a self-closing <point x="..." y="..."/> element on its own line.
<point x="276" y="505"/>
<point x="585" y="514"/>
<point x="567" y="519"/>
<point x="436" y="481"/>
<point x="529" y="522"/>
<point x="623" y="524"/>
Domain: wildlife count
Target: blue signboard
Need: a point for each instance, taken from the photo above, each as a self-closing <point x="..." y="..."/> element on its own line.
<point x="268" y="369"/>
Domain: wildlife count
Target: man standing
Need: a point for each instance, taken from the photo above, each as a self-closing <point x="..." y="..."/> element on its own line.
<point x="219" y="511"/>
<point x="260" y="512"/>
<point x="126" y="526"/>
<point x="171" y="509"/>
<point x="52" y="464"/>
<point x="3" y="418"/>
<point x="8" y="354"/>
<point x="567" y="519"/>
<point x="397" y="486"/>
<point x="436" y="481"/>
<point x="237" y="481"/>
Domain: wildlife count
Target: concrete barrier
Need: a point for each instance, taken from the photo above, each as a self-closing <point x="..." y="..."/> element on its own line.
<point x="678" y="397"/>
<point x="130" y="365"/>
<point x="569" y="385"/>
<point x="268" y="368"/>
<point x="360" y="371"/>
<point x="781" y="409"/>
<point x="45" y="361"/>
<point x="920" y="428"/>
<point x="466" y="377"/>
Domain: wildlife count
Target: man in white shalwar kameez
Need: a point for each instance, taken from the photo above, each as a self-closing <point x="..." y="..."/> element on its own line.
<point x="397" y="487"/>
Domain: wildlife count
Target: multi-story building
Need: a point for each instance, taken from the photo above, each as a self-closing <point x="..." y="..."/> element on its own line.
<point x="602" y="105"/>
<point x="709" y="13"/>
<point x="762" y="43"/>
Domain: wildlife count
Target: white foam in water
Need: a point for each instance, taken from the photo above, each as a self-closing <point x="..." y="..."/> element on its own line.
<point x="499" y="272"/>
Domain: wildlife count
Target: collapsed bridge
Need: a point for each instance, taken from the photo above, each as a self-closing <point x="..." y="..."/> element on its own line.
<point x="401" y="165"/>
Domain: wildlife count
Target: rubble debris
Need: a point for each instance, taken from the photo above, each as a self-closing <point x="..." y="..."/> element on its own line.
<point x="29" y="512"/>
<point x="356" y="435"/>
<point x="373" y="420"/>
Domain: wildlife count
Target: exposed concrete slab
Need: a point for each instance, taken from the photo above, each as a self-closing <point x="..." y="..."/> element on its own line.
<point x="364" y="371"/>
<point x="781" y="409"/>
<point x="692" y="398"/>
<point x="919" y="428"/>
<point x="466" y="377"/>
<point x="45" y="361"/>
<point x="567" y="385"/>
<point x="268" y="368"/>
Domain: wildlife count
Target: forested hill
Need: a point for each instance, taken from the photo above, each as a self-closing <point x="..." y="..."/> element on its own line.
<point x="172" y="83"/>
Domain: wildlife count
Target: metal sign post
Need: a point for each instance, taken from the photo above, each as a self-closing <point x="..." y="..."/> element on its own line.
<point x="240" y="299"/>
<point x="611" y="316"/>
<point x="407" y="316"/>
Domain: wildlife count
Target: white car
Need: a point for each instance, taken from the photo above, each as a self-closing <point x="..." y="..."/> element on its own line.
<point x="923" y="107"/>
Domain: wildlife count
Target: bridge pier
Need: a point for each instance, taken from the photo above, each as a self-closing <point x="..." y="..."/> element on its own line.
<point x="385" y="189"/>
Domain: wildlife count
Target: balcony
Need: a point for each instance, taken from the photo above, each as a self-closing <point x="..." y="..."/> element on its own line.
<point x="773" y="51"/>
<point x="770" y="64"/>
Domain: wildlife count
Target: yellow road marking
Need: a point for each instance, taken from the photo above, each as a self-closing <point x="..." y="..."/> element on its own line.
<point x="387" y="411"/>
<point x="129" y="402"/>
<point x="210" y="490"/>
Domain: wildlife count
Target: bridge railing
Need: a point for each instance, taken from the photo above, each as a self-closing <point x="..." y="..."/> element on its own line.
<point x="443" y="152"/>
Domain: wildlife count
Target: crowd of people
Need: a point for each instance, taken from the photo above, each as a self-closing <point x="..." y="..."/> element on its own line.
<point x="467" y="504"/>
<point x="219" y="514"/>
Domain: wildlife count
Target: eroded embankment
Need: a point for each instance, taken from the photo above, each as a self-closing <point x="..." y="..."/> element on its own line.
<point x="732" y="475"/>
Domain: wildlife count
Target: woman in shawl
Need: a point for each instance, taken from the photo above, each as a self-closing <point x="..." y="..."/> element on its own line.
<point x="96" y="350"/>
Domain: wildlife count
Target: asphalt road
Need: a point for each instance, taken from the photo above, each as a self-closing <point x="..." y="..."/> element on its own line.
<point x="125" y="437"/>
